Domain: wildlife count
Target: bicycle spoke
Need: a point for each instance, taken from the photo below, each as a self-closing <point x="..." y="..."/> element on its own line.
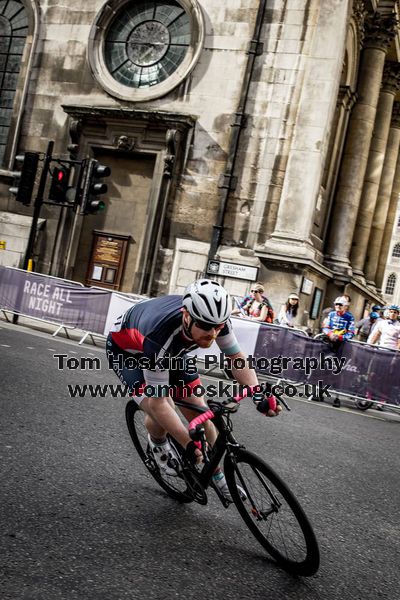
<point x="275" y="521"/>
<point x="273" y="514"/>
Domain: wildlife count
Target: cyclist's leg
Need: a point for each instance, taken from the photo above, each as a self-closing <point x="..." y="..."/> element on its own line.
<point x="183" y="383"/>
<point x="162" y="418"/>
<point x="121" y="362"/>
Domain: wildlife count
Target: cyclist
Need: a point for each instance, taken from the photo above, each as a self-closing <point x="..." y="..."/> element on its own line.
<point x="339" y="324"/>
<point x="166" y="328"/>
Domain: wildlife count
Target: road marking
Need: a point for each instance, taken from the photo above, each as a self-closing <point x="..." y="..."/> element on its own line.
<point x="51" y="349"/>
<point x="5" y="345"/>
<point x="30" y="348"/>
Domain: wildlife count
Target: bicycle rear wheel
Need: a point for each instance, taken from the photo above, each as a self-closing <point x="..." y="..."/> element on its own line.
<point x="272" y="513"/>
<point x="176" y="487"/>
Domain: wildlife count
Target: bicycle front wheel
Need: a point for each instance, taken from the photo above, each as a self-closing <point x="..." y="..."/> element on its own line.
<point x="272" y="513"/>
<point x="176" y="487"/>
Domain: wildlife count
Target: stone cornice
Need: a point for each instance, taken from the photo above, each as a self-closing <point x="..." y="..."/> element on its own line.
<point x="119" y="113"/>
<point x="295" y="262"/>
<point x="380" y="30"/>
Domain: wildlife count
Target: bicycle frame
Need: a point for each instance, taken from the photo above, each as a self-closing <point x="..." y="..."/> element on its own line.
<point x="224" y="440"/>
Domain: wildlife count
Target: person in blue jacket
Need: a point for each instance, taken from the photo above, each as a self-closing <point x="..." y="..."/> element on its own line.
<point x="339" y="324"/>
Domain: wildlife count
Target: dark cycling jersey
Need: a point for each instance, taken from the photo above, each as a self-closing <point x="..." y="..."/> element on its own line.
<point x="153" y="329"/>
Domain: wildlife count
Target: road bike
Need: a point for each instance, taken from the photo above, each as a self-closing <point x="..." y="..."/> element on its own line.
<point x="269" y="509"/>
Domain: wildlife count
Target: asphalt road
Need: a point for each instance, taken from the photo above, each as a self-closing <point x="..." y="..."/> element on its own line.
<point x="82" y="519"/>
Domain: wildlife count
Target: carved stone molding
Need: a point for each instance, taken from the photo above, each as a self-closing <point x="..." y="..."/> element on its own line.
<point x="395" y="122"/>
<point x="346" y="97"/>
<point x="125" y="143"/>
<point x="359" y="14"/>
<point x="169" y="160"/>
<point x="380" y="31"/>
<point x="75" y="130"/>
<point x="391" y="77"/>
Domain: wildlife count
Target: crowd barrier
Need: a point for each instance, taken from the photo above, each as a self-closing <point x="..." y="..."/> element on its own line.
<point x="65" y="304"/>
<point x="354" y="369"/>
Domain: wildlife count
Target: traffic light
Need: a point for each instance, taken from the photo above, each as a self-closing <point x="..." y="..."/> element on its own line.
<point x="59" y="184"/>
<point x="25" y="178"/>
<point x="94" y="187"/>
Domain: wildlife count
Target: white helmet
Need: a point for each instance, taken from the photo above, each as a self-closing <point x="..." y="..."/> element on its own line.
<point x="207" y="301"/>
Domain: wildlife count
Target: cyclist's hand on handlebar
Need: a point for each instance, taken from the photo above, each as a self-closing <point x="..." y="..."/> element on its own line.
<point x="269" y="406"/>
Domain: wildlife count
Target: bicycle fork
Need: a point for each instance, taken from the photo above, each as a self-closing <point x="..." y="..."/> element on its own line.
<point x="259" y="515"/>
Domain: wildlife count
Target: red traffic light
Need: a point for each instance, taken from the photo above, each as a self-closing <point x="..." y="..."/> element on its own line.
<point x="59" y="184"/>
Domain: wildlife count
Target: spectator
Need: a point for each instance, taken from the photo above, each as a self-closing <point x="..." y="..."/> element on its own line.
<point x="377" y="308"/>
<point x="288" y="312"/>
<point x="256" y="306"/>
<point x="387" y="331"/>
<point x="365" y="326"/>
<point x="326" y="311"/>
<point x="339" y="324"/>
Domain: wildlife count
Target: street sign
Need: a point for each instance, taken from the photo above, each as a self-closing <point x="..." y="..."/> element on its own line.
<point x="2" y="244"/>
<point x="237" y="271"/>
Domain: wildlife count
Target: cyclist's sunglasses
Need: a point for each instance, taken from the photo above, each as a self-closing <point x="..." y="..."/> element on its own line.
<point x="256" y="291"/>
<point x="206" y="326"/>
<point x="338" y="304"/>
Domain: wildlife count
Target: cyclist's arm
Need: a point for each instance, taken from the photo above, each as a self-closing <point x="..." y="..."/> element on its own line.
<point x="245" y="376"/>
<point x="229" y="345"/>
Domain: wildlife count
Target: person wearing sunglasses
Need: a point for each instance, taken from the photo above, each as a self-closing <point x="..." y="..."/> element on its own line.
<point x="339" y="324"/>
<point x="159" y="331"/>
<point x="256" y="306"/>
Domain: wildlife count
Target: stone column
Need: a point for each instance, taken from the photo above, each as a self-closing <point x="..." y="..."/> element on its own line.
<point x="391" y="83"/>
<point x="388" y="232"/>
<point x="380" y="31"/>
<point x="386" y="188"/>
<point x="311" y="120"/>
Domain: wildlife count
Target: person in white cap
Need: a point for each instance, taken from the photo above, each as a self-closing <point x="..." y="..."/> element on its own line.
<point x="288" y="312"/>
<point x="339" y="324"/>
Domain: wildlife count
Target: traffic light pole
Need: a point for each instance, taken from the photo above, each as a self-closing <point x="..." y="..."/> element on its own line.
<point x="38" y="204"/>
<point x="37" y="209"/>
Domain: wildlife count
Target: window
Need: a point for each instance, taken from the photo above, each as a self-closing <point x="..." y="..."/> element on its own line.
<point x="396" y="251"/>
<point x="13" y="32"/>
<point x="390" y="284"/>
<point x="142" y="49"/>
<point x="316" y="304"/>
<point x="147" y="43"/>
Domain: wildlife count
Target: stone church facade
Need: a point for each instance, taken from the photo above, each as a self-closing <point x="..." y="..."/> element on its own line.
<point x="263" y="134"/>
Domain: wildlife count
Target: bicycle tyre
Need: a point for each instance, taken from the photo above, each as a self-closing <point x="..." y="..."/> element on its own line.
<point x="256" y="477"/>
<point x="175" y="487"/>
<point x="364" y="404"/>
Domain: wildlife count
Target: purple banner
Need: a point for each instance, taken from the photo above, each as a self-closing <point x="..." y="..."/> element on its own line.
<point x="352" y="368"/>
<point x="54" y="300"/>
